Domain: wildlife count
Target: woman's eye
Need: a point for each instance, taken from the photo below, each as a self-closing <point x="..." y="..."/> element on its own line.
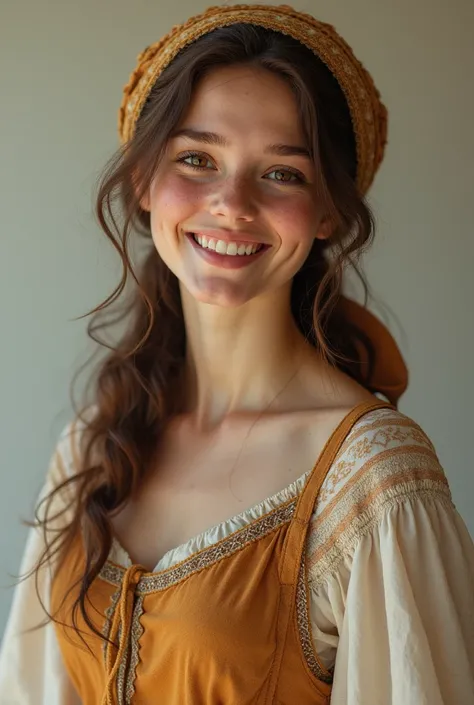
<point x="194" y="158"/>
<point x="297" y="176"/>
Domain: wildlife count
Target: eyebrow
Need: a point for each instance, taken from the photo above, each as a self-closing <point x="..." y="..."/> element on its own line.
<point x="283" y="150"/>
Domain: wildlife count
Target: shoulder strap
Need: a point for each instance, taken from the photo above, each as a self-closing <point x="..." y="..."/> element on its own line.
<point x="296" y="536"/>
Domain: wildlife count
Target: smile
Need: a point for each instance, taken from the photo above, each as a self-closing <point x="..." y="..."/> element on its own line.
<point x="225" y="248"/>
<point x="226" y="255"/>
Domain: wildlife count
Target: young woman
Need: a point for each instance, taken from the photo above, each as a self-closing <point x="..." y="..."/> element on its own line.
<point x="237" y="516"/>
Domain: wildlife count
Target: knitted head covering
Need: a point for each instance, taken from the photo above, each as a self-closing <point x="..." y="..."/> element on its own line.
<point x="368" y="116"/>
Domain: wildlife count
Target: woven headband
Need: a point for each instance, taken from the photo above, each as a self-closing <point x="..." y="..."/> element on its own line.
<point x="368" y="114"/>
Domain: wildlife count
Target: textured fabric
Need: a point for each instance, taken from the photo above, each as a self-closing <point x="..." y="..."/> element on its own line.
<point x="385" y="370"/>
<point x="229" y="624"/>
<point x="390" y="567"/>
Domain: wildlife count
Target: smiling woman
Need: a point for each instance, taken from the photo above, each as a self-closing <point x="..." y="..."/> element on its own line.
<point x="234" y="516"/>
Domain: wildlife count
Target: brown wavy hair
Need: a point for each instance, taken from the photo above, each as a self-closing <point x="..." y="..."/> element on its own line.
<point x="132" y="391"/>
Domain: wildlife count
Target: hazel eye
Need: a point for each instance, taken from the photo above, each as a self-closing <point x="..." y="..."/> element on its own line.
<point x="280" y="175"/>
<point x="195" y="160"/>
<point x="282" y="172"/>
<point x="195" y="157"/>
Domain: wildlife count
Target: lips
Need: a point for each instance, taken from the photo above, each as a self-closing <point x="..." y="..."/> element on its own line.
<point x="225" y="254"/>
<point x="232" y="248"/>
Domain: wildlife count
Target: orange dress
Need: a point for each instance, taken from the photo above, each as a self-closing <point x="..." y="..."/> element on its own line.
<point x="228" y="625"/>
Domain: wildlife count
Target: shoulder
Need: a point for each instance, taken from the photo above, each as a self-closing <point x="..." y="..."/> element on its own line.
<point x="384" y="450"/>
<point x="66" y="458"/>
<point x="387" y="459"/>
<point x="58" y="496"/>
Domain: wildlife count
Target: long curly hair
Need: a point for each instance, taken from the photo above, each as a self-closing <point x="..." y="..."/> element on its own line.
<point x="132" y="389"/>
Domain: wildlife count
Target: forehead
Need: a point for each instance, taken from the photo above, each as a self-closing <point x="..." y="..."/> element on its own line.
<point x="244" y="100"/>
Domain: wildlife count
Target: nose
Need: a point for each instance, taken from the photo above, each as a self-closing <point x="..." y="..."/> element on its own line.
<point x="235" y="199"/>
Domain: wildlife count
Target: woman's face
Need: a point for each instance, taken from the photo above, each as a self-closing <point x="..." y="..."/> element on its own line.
<point x="236" y="179"/>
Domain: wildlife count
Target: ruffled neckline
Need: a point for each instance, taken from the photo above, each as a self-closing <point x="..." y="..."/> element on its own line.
<point x="119" y="556"/>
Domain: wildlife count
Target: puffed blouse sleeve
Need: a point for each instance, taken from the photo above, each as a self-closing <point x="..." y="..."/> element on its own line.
<point x="31" y="667"/>
<point x="391" y="573"/>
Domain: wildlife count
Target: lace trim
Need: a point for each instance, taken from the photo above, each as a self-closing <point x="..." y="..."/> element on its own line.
<point x="304" y="628"/>
<point x="127" y="685"/>
<point x="125" y="676"/>
<point x="109" y="613"/>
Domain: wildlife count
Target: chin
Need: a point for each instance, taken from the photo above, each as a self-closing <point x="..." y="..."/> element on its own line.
<point x="220" y="293"/>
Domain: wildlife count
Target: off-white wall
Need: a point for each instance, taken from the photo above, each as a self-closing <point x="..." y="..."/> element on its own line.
<point x="62" y="67"/>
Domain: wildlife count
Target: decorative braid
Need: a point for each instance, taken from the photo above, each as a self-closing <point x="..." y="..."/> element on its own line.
<point x="368" y="114"/>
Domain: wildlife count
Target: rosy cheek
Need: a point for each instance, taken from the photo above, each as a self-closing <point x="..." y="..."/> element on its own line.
<point x="295" y="219"/>
<point x="176" y="193"/>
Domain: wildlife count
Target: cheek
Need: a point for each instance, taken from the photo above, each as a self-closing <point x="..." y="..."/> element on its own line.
<point x="296" y="220"/>
<point x="173" y="201"/>
<point x="173" y="195"/>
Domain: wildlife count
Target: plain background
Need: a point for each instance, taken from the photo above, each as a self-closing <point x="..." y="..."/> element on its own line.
<point x="62" y="68"/>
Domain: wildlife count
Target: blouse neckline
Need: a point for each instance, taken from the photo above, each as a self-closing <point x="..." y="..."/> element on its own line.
<point x="119" y="555"/>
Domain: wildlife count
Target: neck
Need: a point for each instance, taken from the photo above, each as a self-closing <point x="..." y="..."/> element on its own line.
<point x="239" y="359"/>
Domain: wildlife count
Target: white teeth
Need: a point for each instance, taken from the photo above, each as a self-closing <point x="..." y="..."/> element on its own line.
<point x="231" y="248"/>
<point x="225" y="248"/>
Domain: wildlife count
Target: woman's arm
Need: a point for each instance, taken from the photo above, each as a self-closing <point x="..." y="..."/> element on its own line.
<point x="392" y="588"/>
<point x="407" y="633"/>
<point x="31" y="667"/>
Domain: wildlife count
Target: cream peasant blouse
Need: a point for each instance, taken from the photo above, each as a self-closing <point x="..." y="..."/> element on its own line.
<point x="391" y="573"/>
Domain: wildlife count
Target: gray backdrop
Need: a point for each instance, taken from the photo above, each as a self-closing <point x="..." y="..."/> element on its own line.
<point x="62" y="68"/>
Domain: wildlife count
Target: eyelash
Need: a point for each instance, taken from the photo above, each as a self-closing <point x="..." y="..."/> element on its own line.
<point x="300" y="179"/>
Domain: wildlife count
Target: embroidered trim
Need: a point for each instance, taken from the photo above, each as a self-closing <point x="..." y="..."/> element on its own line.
<point x="387" y="480"/>
<point x="375" y="433"/>
<point x="136" y="631"/>
<point x="125" y="676"/>
<point x="121" y="673"/>
<point x="374" y="419"/>
<point x="304" y="628"/>
<point x="109" y="613"/>
<point x="155" y="582"/>
<point x="111" y="573"/>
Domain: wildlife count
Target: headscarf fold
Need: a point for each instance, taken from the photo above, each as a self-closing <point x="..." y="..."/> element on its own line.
<point x="389" y="375"/>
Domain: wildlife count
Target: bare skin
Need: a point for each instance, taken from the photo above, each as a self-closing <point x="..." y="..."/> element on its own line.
<point x="260" y="404"/>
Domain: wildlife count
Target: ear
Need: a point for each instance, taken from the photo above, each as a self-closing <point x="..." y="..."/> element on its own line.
<point x="325" y="229"/>
<point x="145" y="198"/>
<point x="145" y="201"/>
